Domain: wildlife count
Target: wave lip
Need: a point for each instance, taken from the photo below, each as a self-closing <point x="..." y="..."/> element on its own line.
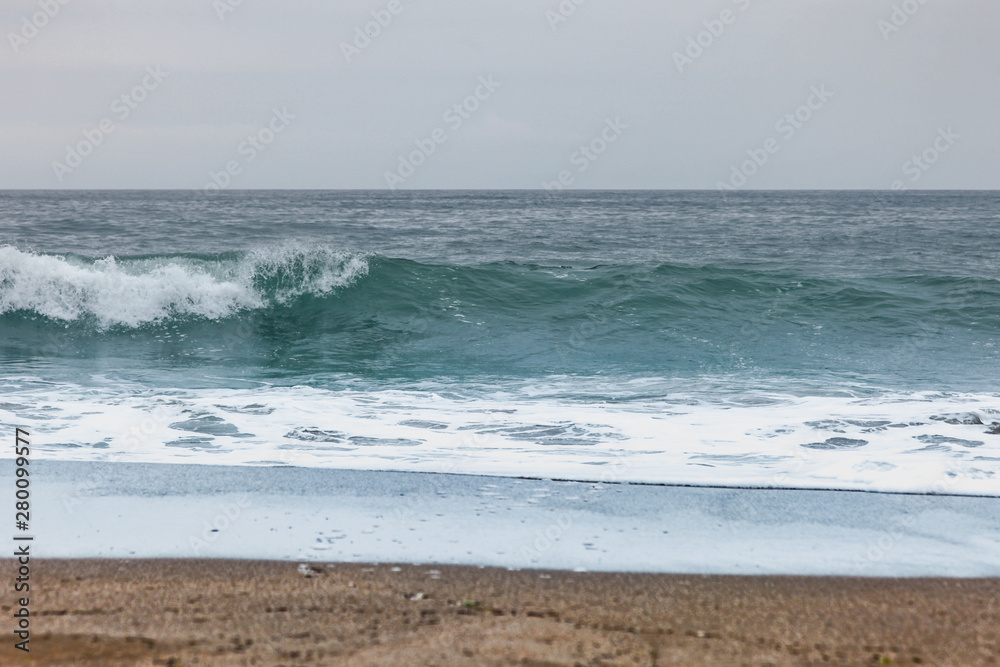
<point x="132" y="292"/>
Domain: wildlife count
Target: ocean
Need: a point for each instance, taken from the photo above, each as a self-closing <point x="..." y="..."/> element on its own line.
<point x="835" y="340"/>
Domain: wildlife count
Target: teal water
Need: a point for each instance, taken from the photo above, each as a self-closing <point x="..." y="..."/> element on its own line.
<point x="289" y="314"/>
<point x="586" y="299"/>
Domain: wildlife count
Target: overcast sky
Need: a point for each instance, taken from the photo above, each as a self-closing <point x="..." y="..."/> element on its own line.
<point x="619" y="78"/>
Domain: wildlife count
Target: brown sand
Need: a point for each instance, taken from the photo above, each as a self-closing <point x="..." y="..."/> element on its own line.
<point x="196" y="612"/>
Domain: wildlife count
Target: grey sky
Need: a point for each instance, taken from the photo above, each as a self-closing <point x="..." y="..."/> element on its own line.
<point x="894" y="94"/>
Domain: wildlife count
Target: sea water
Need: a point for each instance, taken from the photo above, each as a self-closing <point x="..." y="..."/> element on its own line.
<point x="843" y="340"/>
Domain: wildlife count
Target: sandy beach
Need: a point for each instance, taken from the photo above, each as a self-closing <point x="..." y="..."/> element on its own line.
<point x="204" y="612"/>
<point x="152" y="564"/>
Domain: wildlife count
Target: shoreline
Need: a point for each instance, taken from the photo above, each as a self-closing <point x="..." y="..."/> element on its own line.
<point x="529" y="478"/>
<point x="135" y="510"/>
<point x="112" y="612"/>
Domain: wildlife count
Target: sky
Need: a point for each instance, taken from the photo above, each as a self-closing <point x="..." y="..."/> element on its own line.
<point x="591" y="94"/>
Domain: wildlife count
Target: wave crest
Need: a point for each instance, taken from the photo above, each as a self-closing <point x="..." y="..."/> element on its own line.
<point x="132" y="292"/>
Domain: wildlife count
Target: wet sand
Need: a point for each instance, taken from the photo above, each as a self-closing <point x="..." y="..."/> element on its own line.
<point x="134" y="510"/>
<point x="219" y="612"/>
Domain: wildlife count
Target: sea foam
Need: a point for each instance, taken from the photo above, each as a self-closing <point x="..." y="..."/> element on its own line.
<point x="135" y="291"/>
<point x="562" y="428"/>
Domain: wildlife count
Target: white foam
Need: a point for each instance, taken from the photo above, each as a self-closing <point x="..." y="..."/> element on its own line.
<point x="142" y="291"/>
<point x="745" y="440"/>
